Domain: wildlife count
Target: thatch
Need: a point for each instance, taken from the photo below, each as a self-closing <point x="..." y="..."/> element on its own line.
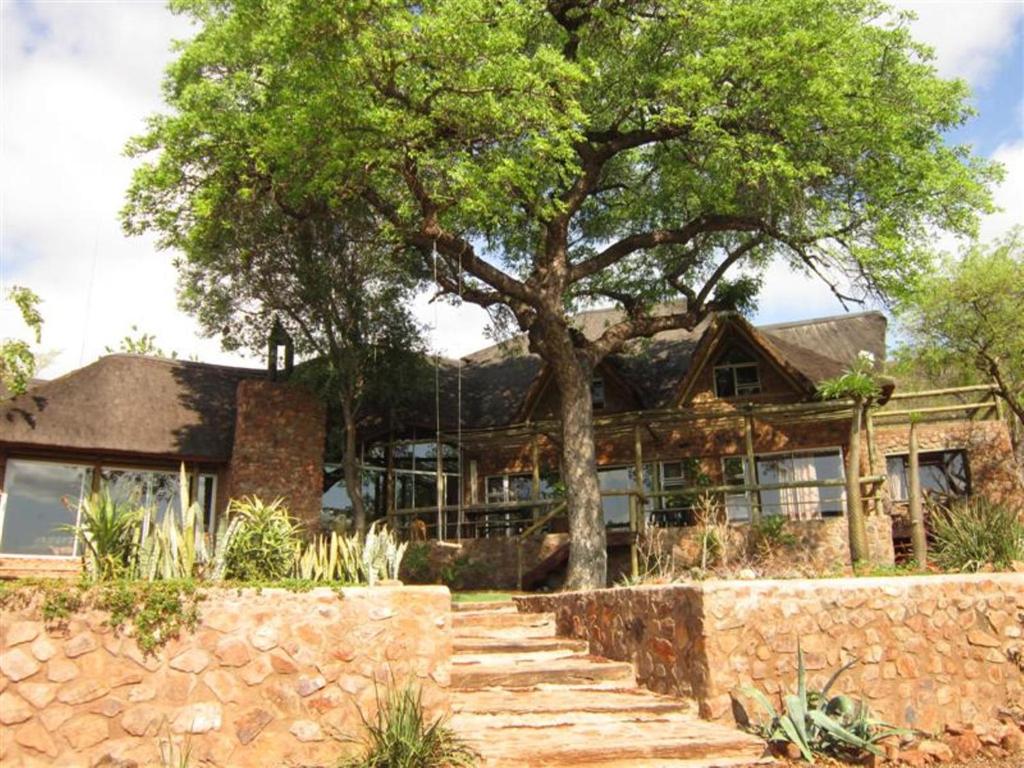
<point x="131" y="404"/>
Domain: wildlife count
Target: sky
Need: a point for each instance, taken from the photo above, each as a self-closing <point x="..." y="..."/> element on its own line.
<point x="79" y="77"/>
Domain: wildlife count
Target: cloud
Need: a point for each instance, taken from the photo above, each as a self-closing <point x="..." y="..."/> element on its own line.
<point x="1009" y="195"/>
<point x="969" y="38"/>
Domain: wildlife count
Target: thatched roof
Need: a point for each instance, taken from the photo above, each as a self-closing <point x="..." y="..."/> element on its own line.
<point x="131" y="404"/>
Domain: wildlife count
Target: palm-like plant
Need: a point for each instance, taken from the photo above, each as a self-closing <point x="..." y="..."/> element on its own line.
<point x="260" y="542"/>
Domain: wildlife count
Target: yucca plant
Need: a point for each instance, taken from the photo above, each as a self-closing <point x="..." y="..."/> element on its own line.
<point x="382" y="554"/>
<point x="818" y="723"/>
<point x="175" y="547"/>
<point x="974" y="533"/>
<point x="400" y="736"/>
<point x="107" y="531"/>
<point x="261" y="546"/>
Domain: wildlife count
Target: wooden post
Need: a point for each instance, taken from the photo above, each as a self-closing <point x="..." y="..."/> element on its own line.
<point x="390" y="504"/>
<point x="634" y="530"/>
<point x="439" y="480"/>
<point x="854" y="506"/>
<point x="751" y="473"/>
<point x="535" y="481"/>
<point x="869" y="428"/>
<point x="637" y="518"/>
<point x="918" y="536"/>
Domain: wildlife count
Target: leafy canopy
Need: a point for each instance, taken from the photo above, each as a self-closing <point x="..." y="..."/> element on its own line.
<point x="564" y="151"/>
<point x="17" y="360"/>
<point x="964" y="320"/>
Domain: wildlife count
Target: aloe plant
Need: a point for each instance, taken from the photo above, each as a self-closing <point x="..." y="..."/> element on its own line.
<point x="176" y="546"/>
<point x="108" y="533"/>
<point x="818" y="723"/>
<point x="349" y="558"/>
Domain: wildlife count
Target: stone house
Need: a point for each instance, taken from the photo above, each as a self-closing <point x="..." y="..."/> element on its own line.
<point x="725" y="415"/>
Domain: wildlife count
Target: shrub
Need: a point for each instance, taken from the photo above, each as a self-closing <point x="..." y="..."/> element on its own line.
<point x="260" y="541"/>
<point x="769" y="535"/>
<point x="417" y="564"/>
<point x="399" y="736"/>
<point x="818" y="723"/>
<point x="108" y="533"/>
<point x="972" y="534"/>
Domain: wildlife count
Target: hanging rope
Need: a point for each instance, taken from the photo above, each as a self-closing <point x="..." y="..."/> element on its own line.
<point x="462" y="484"/>
<point x="437" y="412"/>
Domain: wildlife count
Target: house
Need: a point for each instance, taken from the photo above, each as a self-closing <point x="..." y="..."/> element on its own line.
<point x="727" y="412"/>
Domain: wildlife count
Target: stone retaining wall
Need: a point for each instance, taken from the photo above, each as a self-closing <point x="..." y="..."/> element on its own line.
<point x="269" y="678"/>
<point x="932" y="650"/>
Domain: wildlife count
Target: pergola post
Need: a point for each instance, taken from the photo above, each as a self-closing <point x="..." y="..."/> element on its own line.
<point x="869" y="428"/>
<point x="751" y="473"/>
<point x="918" y="536"/>
<point x="854" y="504"/>
<point x="535" y="467"/>
<point x="636" y="503"/>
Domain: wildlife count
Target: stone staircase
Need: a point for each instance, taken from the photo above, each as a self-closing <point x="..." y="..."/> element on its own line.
<point x="524" y="697"/>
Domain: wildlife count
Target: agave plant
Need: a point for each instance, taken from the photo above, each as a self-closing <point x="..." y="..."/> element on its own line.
<point x="818" y="723"/>
<point x="108" y="531"/>
<point x="382" y="554"/>
<point x="176" y="546"/>
<point x="260" y="543"/>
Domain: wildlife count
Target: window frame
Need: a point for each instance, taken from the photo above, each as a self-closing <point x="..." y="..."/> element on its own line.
<point x="4" y="497"/>
<point x="732" y="367"/>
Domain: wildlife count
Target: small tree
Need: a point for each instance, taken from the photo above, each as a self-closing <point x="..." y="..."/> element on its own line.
<point x="860" y="385"/>
<point x="964" y="321"/>
<point x="141" y="344"/>
<point x="17" y="360"/>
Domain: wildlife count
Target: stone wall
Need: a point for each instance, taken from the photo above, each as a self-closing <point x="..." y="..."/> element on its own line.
<point x="269" y="678"/>
<point x="279" y="447"/>
<point x="932" y="650"/>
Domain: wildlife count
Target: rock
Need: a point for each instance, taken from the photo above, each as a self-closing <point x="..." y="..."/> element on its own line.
<point x="1013" y="741"/>
<point x="141" y="692"/>
<point x="55" y="715"/>
<point x="14" y="709"/>
<point x="35" y="737"/>
<point x="264" y="638"/>
<point x="194" y="661"/>
<point x="17" y="664"/>
<point x="113" y="761"/>
<point x="38" y="694"/>
<point x="982" y="639"/>
<point x="257" y="671"/>
<point x="282" y="664"/>
<point x="197" y="718"/>
<point x="81" y="691"/>
<point x="913" y="757"/>
<point x="232" y="652"/>
<point x="85" y="731"/>
<point x="936" y="750"/>
<point x="142" y="720"/>
<point x="109" y="707"/>
<point x="306" y="730"/>
<point x="965" y="745"/>
<point x="19" y="632"/>
<point x="43" y="648"/>
<point x="80" y="644"/>
<point x="307" y="686"/>
<point x="249" y="725"/>
<point x="223" y="684"/>
<point x="61" y="670"/>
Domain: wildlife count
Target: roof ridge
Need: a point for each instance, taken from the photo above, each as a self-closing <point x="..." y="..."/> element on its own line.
<point x="824" y="319"/>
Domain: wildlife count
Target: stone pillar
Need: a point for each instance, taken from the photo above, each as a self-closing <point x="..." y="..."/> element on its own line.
<point x="278" y="448"/>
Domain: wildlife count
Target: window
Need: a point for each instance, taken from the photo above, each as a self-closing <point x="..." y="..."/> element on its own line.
<point x="597" y="393"/>
<point x="160" y="491"/>
<point x="674" y="510"/>
<point x="737" y="374"/>
<point x="616" y="508"/>
<point x="737" y="505"/>
<point x="801" y="503"/>
<point x="943" y="475"/>
<point x="41" y="497"/>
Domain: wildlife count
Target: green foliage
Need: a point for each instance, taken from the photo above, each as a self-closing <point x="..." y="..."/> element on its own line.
<point x="259" y="543"/>
<point x="176" y="546"/>
<point x="157" y="611"/>
<point x="859" y="382"/>
<point x="976" y="533"/>
<point x="769" y="535"/>
<point x="463" y="572"/>
<point x="351" y="559"/>
<point x="400" y="736"/>
<point x="818" y="723"/>
<point x="141" y="344"/>
<point x="963" y="321"/>
<point x="17" y="361"/>
<point x="382" y="554"/>
<point x="108" y="531"/>
<point x="416" y="564"/>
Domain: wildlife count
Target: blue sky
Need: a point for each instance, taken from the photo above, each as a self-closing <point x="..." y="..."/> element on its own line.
<point x="78" y="77"/>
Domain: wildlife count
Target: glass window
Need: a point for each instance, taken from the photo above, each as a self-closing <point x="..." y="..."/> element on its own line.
<point x="616" y="508"/>
<point x="801" y="502"/>
<point x="737" y="505"/>
<point x="943" y="475"/>
<point x="40" y="498"/>
<point x="736" y="373"/>
<point x="597" y="392"/>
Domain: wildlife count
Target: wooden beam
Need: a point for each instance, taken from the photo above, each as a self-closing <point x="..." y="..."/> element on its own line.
<point x="918" y="535"/>
<point x="751" y="467"/>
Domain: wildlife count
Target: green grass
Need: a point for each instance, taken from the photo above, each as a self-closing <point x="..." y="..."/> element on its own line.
<point x="480" y="597"/>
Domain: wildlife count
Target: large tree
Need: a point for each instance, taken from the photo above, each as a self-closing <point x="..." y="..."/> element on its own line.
<point x="963" y="324"/>
<point x="559" y="152"/>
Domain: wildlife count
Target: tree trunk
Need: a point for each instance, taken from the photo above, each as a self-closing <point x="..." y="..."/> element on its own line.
<point x="918" y="537"/>
<point x="854" y="506"/>
<point x="588" y="554"/>
<point x="351" y="468"/>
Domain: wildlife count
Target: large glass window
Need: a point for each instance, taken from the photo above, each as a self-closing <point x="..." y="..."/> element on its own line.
<point x="737" y="505"/>
<point x="803" y="503"/>
<point x="616" y="508"/>
<point x="943" y="475"/>
<point x="160" y="491"/>
<point x="40" y="497"/>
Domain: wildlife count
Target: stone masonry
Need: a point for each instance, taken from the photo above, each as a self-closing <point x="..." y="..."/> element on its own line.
<point x="931" y="650"/>
<point x="279" y="447"/>
<point x="268" y="678"/>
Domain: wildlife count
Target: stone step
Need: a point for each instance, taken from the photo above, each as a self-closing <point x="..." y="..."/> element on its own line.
<point x="503" y="606"/>
<point x="576" y="670"/>
<point x="563" y="699"/>
<point x="503" y="625"/>
<point x="615" y="743"/>
<point x="516" y="658"/>
<point x="499" y="645"/>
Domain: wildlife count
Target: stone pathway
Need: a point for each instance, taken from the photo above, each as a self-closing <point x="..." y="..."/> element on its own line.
<point x="524" y="697"/>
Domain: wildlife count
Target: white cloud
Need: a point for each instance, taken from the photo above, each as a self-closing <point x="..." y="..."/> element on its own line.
<point x="969" y="36"/>
<point x="1009" y="195"/>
